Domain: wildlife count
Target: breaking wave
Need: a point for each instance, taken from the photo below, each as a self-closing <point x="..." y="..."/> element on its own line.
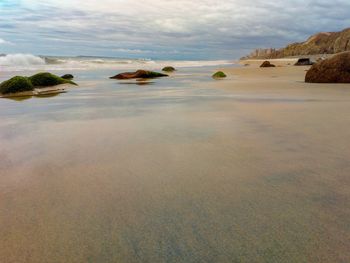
<point x="21" y="60"/>
<point x="27" y="62"/>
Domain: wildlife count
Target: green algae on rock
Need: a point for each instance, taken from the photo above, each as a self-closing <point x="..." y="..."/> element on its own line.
<point x="168" y="69"/>
<point x="46" y="79"/>
<point x="219" y="75"/>
<point x="15" y="85"/>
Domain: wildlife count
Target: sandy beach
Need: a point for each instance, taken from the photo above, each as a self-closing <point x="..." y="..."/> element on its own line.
<point x="253" y="168"/>
<point x="174" y="131"/>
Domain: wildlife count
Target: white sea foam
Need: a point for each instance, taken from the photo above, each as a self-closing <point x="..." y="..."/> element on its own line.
<point x="27" y="62"/>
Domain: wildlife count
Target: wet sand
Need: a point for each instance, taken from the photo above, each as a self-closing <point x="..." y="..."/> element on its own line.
<point x="254" y="168"/>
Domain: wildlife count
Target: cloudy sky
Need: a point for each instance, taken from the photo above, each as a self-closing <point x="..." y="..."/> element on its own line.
<point x="163" y="29"/>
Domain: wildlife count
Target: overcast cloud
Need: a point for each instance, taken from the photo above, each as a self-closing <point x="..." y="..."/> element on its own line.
<point x="191" y="29"/>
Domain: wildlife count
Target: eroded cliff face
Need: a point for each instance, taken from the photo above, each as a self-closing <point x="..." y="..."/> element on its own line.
<point x="321" y="43"/>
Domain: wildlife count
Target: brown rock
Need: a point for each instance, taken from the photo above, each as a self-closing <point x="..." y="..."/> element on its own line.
<point x="267" y="64"/>
<point x="140" y="74"/>
<point x="303" y="62"/>
<point x="332" y="70"/>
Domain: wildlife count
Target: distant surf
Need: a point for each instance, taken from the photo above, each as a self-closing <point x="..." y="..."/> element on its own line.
<point x="27" y="62"/>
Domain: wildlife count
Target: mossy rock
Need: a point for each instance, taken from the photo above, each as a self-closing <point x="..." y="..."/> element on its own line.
<point x="68" y="76"/>
<point x="16" y="84"/>
<point x="168" y="69"/>
<point x="219" y="75"/>
<point x="46" y="79"/>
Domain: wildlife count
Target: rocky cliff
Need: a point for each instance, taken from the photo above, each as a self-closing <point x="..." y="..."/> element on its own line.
<point x="321" y="43"/>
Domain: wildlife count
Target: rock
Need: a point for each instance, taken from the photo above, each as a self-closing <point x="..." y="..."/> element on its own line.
<point x="332" y="70"/>
<point x="303" y="62"/>
<point x="219" y="75"/>
<point x="140" y="74"/>
<point x="68" y="76"/>
<point x="168" y="69"/>
<point x="267" y="64"/>
<point x="47" y="79"/>
<point x="15" y="85"/>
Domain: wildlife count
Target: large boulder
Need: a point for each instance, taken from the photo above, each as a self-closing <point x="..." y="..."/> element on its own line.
<point x="46" y="79"/>
<point x="16" y="84"/>
<point x="332" y="70"/>
<point x="168" y="69"/>
<point x="303" y="62"/>
<point x="267" y="64"/>
<point x="140" y="74"/>
<point x="219" y="75"/>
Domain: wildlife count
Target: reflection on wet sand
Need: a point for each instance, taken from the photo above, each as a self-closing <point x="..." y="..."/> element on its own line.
<point x="176" y="173"/>
<point x="41" y="95"/>
<point x="141" y="83"/>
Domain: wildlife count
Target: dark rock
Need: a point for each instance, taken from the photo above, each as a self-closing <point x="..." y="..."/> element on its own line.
<point x="219" y="75"/>
<point x="332" y="70"/>
<point x="267" y="64"/>
<point x="47" y="79"/>
<point x="16" y="84"/>
<point x="142" y="74"/>
<point x="168" y="69"/>
<point x="303" y="62"/>
<point x="68" y="76"/>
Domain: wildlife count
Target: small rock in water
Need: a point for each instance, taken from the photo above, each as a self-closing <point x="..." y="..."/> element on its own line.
<point x="140" y="74"/>
<point x="168" y="69"/>
<point x="68" y="76"/>
<point x="219" y="75"/>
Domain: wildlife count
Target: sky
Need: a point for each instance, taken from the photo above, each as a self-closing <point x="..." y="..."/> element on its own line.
<point x="163" y="29"/>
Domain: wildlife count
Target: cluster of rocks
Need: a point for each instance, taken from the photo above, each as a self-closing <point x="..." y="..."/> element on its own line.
<point x="145" y="74"/>
<point x="34" y="84"/>
<point x="332" y="70"/>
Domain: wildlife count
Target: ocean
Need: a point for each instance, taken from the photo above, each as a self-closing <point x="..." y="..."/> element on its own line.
<point x="28" y="62"/>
